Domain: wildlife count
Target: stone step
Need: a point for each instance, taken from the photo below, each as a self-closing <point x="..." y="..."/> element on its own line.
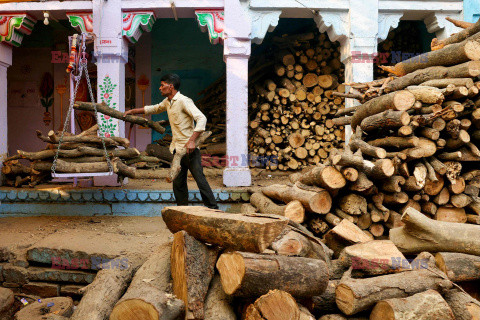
<point x="21" y="275"/>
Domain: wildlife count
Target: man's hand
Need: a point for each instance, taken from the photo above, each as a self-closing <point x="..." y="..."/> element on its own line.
<point x="190" y="146"/>
<point x="126" y="113"/>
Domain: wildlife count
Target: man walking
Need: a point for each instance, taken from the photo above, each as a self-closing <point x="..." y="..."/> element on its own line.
<point x="182" y="113"/>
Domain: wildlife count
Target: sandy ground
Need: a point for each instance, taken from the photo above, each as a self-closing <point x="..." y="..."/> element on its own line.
<point x="260" y="177"/>
<point x="111" y="236"/>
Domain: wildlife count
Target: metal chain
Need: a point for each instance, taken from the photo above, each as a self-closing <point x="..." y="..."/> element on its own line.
<point x="67" y="119"/>
<point x="83" y="66"/>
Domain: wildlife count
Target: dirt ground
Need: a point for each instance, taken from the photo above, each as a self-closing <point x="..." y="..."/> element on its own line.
<point x="260" y="177"/>
<point x="110" y="236"/>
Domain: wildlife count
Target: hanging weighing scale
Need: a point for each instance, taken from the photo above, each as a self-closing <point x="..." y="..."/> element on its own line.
<point x="77" y="68"/>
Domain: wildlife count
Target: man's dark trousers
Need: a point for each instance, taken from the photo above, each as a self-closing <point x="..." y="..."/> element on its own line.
<point x="193" y="162"/>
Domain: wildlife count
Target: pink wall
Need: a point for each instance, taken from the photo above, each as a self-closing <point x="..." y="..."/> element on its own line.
<point x="25" y="112"/>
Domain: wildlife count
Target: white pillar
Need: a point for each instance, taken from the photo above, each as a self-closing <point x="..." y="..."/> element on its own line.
<point x="111" y="52"/>
<point x="363" y="41"/>
<point x="5" y="62"/>
<point x="237" y="47"/>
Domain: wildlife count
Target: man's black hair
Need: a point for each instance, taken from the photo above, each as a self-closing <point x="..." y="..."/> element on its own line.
<point x="172" y="78"/>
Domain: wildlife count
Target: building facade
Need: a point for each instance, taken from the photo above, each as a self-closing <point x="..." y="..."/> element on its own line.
<point x="232" y="27"/>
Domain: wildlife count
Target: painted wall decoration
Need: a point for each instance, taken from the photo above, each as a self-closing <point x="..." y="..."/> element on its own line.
<point x="213" y="22"/>
<point x="14" y="26"/>
<point x="83" y="21"/>
<point x="136" y="23"/>
<point x="46" y="94"/>
<point x="107" y="125"/>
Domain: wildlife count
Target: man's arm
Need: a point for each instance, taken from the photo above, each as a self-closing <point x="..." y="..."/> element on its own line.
<point x="200" y="120"/>
<point x="156" y="108"/>
<point x="134" y="111"/>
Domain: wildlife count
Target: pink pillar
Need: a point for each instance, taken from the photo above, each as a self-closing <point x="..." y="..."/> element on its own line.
<point x="5" y="62"/>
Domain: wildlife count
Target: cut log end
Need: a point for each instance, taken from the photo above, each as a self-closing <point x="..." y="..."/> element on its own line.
<point x="135" y="309"/>
<point x="232" y="263"/>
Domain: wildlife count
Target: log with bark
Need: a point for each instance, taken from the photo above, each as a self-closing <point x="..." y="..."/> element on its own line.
<point x="423" y="234"/>
<point x="252" y="233"/>
<point x="355" y="295"/>
<point x="423" y="306"/>
<point x="248" y="274"/>
<point x="104" y="109"/>
<point x="148" y="296"/>
<point x="192" y="267"/>
<point x="100" y="296"/>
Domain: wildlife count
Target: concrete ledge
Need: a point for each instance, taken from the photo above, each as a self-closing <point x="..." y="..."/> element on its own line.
<point x="92" y="202"/>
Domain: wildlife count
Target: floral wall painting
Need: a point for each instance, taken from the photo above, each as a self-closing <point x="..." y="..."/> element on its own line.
<point x="46" y="96"/>
<point x="107" y="125"/>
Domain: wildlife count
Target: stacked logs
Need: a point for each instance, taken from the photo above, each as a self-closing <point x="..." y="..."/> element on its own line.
<point x="415" y="145"/>
<point x="223" y="266"/>
<point x="292" y="105"/>
<point x="82" y="153"/>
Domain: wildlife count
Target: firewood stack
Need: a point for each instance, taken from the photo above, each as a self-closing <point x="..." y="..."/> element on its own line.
<point x="293" y="104"/>
<point x="82" y="153"/>
<point x="224" y="266"/>
<point x="415" y="145"/>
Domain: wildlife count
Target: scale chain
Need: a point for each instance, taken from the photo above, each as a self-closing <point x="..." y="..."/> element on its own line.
<point x="83" y="66"/>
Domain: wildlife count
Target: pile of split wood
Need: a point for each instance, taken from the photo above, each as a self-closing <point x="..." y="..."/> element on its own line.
<point x="82" y="153"/>
<point x="223" y="266"/>
<point x="415" y="145"/>
<point x="293" y="103"/>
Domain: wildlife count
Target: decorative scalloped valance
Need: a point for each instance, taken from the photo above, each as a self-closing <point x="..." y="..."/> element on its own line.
<point x="13" y="27"/>
<point x="82" y="21"/>
<point x="213" y="22"/>
<point x="136" y="23"/>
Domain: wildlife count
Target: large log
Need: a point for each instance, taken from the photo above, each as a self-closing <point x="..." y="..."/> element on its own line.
<point x="344" y="234"/>
<point x="385" y="119"/>
<point x="238" y="232"/>
<point x="218" y="303"/>
<point x="100" y="296"/>
<point x="327" y="177"/>
<point x="465" y="70"/>
<point x="295" y="243"/>
<point x="464" y="306"/>
<point x="458" y="266"/>
<point x="249" y="275"/>
<point x="293" y="211"/>
<point x="457" y="37"/>
<point x="146" y="297"/>
<point x="192" y="268"/>
<point x="374" y="258"/>
<point x="399" y="101"/>
<point x="113" y="141"/>
<point x="324" y="303"/>
<point x="455" y="54"/>
<point x="319" y="202"/>
<point x="355" y="295"/>
<point x="274" y="305"/>
<point x="423" y="234"/>
<point x="422" y="306"/>
<point x="103" y="108"/>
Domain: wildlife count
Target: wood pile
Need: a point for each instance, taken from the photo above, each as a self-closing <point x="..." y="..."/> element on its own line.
<point x="415" y="145"/>
<point x="224" y="266"/>
<point x="293" y="102"/>
<point x="82" y="153"/>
